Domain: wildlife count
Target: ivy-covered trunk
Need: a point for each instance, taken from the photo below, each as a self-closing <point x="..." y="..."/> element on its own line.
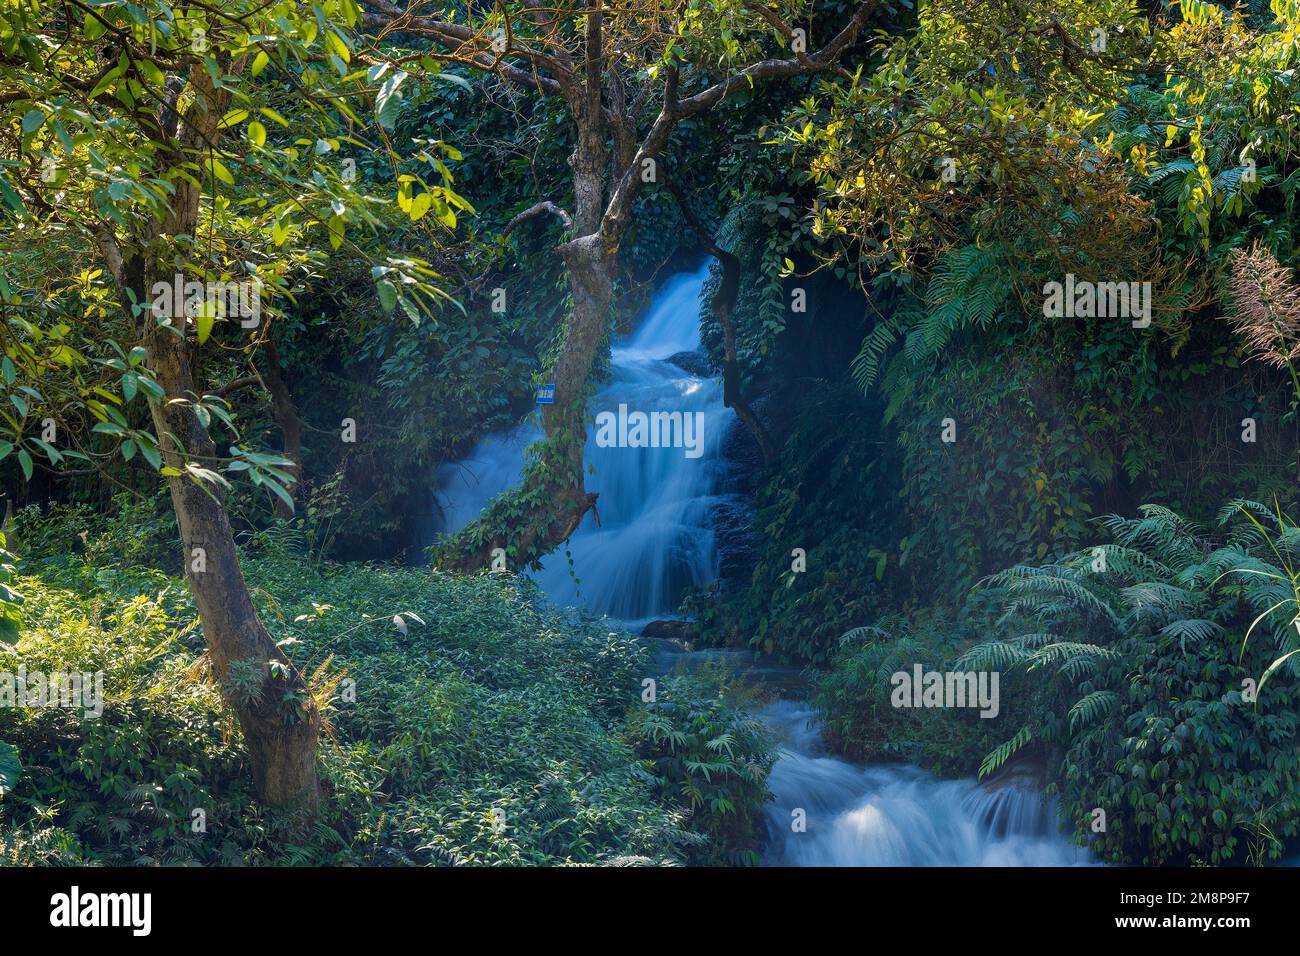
<point x="552" y="499"/>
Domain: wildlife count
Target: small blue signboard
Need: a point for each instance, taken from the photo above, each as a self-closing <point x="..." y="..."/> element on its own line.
<point x="546" y="394"/>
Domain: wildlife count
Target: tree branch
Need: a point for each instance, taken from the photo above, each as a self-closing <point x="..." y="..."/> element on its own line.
<point x="619" y="209"/>
<point x="823" y="59"/>
<point x="537" y="210"/>
<point x="471" y="47"/>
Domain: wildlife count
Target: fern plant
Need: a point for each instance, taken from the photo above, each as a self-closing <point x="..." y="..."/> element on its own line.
<point x="968" y="289"/>
<point x="1148" y="658"/>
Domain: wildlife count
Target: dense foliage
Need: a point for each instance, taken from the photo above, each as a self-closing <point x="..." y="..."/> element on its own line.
<point x="943" y="444"/>
<point x="1159" y="670"/>
<point x="466" y="725"/>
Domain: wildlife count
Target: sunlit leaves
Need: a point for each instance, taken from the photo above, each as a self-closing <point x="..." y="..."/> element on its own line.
<point x="388" y="99"/>
<point x="978" y="120"/>
<point x="90" y="167"/>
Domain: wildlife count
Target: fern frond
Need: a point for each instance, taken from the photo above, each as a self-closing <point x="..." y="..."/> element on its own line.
<point x="1004" y="752"/>
<point x="1092" y="707"/>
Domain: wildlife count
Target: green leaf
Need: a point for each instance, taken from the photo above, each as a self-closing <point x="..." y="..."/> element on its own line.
<point x="33" y="120"/>
<point x="280" y="492"/>
<point x="218" y="169"/>
<point x="94" y="28"/>
<point x="388" y="99"/>
<point x="420" y="206"/>
<point x="387" y="294"/>
<point x="52" y="453"/>
<point x="205" y="316"/>
<point x="151" y="454"/>
<point x="25" y="460"/>
<point x="11" y="767"/>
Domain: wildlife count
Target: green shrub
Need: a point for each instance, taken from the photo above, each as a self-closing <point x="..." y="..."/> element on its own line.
<point x="854" y="695"/>
<point x="1141" y="655"/>
<point x="708" y="754"/>
<point x="494" y="732"/>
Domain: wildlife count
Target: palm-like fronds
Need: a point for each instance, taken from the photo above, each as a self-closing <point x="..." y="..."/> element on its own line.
<point x="1005" y="751"/>
<point x="1092" y="617"/>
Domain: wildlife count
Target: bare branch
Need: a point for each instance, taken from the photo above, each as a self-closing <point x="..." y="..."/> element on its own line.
<point x="537" y="210"/>
<point x="823" y="59"/>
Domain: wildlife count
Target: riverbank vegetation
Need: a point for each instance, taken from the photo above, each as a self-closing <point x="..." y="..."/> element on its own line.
<point x="987" y="434"/>
<point x="464" y="723"/>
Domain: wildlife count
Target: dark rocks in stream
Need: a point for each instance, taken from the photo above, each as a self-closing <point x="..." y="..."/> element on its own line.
<point x="675" y="631"/>
<point x="694" y="363"/>
<point x="732" y="513"/>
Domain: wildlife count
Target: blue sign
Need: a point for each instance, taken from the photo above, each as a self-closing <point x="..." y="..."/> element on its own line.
<point x="546" y="394"/>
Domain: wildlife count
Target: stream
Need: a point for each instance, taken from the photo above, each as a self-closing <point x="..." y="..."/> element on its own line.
<point x="654" y="539"/>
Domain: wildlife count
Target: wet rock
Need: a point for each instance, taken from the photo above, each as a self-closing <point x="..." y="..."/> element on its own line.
<point x="694" y="363"/>
<point x="743" y="459"/>
<point x="735" y="538"/>
<point x="674" y="631"/>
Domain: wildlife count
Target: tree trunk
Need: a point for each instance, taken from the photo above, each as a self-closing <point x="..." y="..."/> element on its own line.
<point x="277" y="714"/>
<point x="552" y="498"/>
<point x="279" y="718"/>
<point x="285" y="413"/>
<point x="722" y="307"/>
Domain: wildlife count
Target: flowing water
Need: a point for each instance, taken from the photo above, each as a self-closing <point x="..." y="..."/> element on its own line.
<point x="653" y="539"/>
<point x="650" y="536"/>
<point x="898" y="815"/>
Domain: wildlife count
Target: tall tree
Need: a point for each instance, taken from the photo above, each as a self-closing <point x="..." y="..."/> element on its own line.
<point x="135" y="151"/>
<point x="628" y="76"/>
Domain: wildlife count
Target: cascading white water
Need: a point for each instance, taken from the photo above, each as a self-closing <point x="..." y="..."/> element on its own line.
<point x="898" y="815"/>
<point x="650" y="537"/>
<point x="654" y="539"/>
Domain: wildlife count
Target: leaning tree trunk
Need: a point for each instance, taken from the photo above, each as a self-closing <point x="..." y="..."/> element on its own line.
<point x="551" y="500"/>
<point x="278" y="716"/>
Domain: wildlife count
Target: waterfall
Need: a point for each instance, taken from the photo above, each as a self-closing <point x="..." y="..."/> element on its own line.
<point x="897" y="815"/>
<point x="650" y="536"/>
<point x="654" y="539"/>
